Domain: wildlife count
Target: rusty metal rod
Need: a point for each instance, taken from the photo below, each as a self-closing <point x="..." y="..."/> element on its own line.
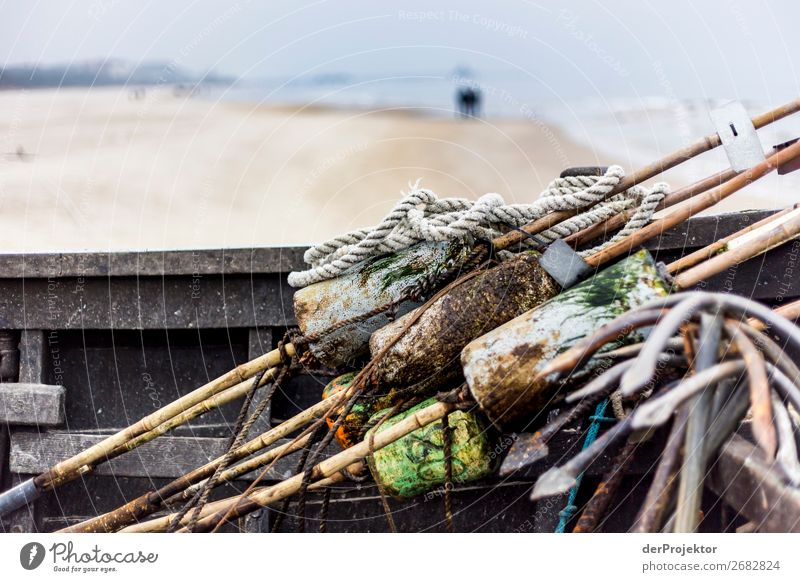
<point x="760" y="402"/>
<point x="586" y="348"/>
<point x="529" y="449"/>
<point x="773" y="233"/>
<point x="604" y="494"/>
<point x="657" y="411"/>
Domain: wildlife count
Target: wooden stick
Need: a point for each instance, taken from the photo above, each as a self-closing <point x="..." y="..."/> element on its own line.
<point x="162" y="523"/>
<point x="179" y="489"/>
<point x="694" y="206"/>
<point x="265" y="458"/>
<point x="212" y="403"/>
<point x="674" y="159"/>
<point x="618" y="221"/>
<point x="760" y="402"/>
<point x="790" y="311"/>
<point x="331" y="465"/>
<point x="758" y="242"/>
<point x="690" y="485"/>
<point x="709" y="251"/>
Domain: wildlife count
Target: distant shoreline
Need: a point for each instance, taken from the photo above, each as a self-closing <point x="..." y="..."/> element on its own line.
<point x="102" y="171"/>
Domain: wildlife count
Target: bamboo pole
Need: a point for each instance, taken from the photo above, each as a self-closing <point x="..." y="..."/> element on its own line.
<point x="212" y="403"/>
<point x="695" y="205"/>
<point x="790" y="311"/>
<point x="709" y="251"/>
<point x="330" y="466"/>
<point x="249" y="465"/>
<point x="759" y="241"/>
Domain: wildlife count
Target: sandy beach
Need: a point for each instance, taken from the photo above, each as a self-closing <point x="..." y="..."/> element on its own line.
<point x="97" y="169"/>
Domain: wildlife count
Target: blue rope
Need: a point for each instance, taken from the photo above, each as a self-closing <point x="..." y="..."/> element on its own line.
<point x="591" y="435"/>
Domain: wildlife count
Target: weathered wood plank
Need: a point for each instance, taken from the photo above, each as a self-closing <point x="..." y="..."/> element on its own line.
<point x="755" y="488"/>
<point x="259" y="341"/>
<point x="698" y="231"/>
<point x="31" y="356"/>
<point x="167" y="457"/>
<point x="152" y="263"/>
<point x="168" y="302"/>
<point x="32" y="404"/>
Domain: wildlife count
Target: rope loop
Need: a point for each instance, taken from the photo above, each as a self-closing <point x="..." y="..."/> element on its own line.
<point x="422" y="216"/>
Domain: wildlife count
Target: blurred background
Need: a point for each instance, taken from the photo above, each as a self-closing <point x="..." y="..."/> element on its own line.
<point x="197" y="124"/>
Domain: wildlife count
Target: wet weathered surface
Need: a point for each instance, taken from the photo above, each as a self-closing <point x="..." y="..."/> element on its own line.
<point x="349" y="430"/>
<point x="414" y="464"/>
<point x="500" y="366"/>
<point x="377" y="282"/>
<point x="430" y="349"/>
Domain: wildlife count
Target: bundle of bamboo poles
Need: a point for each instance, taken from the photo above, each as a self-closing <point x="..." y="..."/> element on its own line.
<point x="705" y="365"/>
<point x="246" y="378"/>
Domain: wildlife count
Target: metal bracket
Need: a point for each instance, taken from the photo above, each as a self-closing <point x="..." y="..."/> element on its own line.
<point x="564" y="265"/>
<point x="738" y="136"/>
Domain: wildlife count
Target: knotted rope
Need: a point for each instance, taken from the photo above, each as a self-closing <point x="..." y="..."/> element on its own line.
<point x="423" y="216"/>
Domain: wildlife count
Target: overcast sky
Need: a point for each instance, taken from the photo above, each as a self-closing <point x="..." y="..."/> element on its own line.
<point x="740" y="49"/>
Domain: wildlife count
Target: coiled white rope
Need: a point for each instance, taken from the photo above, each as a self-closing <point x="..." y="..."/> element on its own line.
<point x="422" y="216"/>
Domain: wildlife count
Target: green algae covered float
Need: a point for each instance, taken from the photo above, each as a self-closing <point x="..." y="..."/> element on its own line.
<point x="373" y="284"/>
<point x="500" y="366"/>
<point x="415" y="464"/>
